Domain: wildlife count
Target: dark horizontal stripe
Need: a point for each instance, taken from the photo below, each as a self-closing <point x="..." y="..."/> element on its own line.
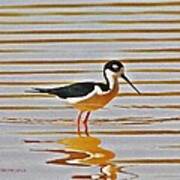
<point x="36" y="95"/>
<point x="46" y="62"/>
<point x="90" y="4"/>
<point x="22" y="108"/>
<point x="5" y="51"/>
<point x="90" y="22"/>
<point x="141" y="50"/>
<point x="170" y="147"/>
<point x="177" y="82"/>
<point x="136" y="120"/>
<point x="45" y="72"/>
<point x="149" y="106"/>
<point x="87" y="40"/>
<point x="36" y="22"/>
<point x="92" y="13"/>
<point x="95" y="121"/>
<point x="140" y="132"/>
<point x="148" y="161"/>
<point x="157" y="82"/>
<point x="25" y="95"/>
<point x="32" y="83"/>
<point x="150" y="50"/>
<point x="88" y="71"/>
<point x="152" y="94"/>
<point x="92" y="31"/>
<point x="38" y="141"/>
<point x="155" y="21"/>
<point x="109" y="13"/>
<point x="154" y="70"/>
<point x="123" y="132"/>
<point x="152" y="60"/>
<point x="88" y="61"/>
<point x="18" y="50"/>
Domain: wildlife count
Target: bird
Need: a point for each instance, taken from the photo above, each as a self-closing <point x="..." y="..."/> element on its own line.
<point x="87" y="97"/>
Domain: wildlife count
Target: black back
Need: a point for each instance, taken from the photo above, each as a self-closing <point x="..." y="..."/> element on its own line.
<point x="77" y="89"/>
<point x="74" y="90"/>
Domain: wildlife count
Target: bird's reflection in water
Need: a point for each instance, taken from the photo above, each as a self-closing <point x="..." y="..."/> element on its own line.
<point x="86" y="151"/>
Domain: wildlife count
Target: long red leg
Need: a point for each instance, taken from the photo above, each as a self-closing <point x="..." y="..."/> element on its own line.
<point x="85" y="122"/>
<point x="79" y="122"/>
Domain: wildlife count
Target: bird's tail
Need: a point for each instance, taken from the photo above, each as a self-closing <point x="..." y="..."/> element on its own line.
<point x="39" y="90"/>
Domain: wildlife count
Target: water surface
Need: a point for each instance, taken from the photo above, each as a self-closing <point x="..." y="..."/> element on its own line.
<point x="55" y="43"/>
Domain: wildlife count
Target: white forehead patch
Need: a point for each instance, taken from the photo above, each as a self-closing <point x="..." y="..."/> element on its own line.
<point x="115" y="66"/>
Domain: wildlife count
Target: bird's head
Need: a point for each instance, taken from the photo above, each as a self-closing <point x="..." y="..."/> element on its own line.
<point x="115" y="69"/>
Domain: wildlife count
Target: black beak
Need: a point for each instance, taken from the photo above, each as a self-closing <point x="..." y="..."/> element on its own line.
<point x="130" y="83"/>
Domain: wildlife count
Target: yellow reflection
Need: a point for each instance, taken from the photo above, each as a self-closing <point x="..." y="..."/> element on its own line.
<point x="87" y="151"/>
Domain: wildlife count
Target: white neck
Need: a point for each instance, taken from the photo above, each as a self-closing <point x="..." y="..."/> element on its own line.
<point x="111" y="78"/>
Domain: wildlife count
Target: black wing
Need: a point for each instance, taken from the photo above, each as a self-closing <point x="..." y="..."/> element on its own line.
<point x="74" y="90"/>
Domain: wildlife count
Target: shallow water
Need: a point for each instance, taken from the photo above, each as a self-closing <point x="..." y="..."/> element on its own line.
<point x="54" y="43"/>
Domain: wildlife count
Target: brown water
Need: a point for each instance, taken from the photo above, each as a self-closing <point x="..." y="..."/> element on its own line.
<point x="54" y="43"/>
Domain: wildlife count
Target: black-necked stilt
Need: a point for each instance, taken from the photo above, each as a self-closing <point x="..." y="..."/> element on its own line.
<point x="90" y="96"/>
